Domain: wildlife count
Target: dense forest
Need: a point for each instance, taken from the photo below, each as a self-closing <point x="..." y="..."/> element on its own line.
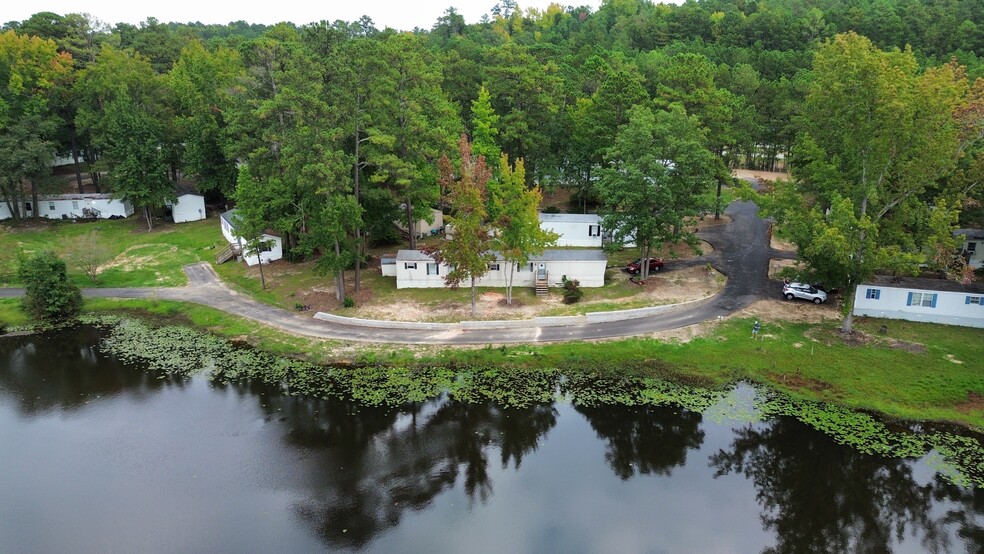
<point x="329" y="131"/>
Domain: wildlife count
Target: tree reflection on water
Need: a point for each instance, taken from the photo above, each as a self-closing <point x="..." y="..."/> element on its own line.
<point x="645" y="439"/>
<point x="818" y="496"/>
<point x="371" y="465"/>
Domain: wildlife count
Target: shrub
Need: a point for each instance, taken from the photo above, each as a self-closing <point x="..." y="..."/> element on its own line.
<point x="572" y="290"/>
<point x="49" y="295"/>
<point x="348" y="302"/>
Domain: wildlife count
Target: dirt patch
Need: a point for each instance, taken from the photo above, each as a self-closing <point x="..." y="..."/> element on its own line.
<point x="756" y="174"/>
<point x="799" y="382"/>
<point x="781" y="244"/>
<point x="776" y="265"/>
<point x="973" y="404"/>
<point x="790" y="311"/>
<point x="663" y="288"/>
<point x="128" y="262"/>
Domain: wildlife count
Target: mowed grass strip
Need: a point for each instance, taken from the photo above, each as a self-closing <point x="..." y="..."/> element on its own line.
<point x="127" y="254"/>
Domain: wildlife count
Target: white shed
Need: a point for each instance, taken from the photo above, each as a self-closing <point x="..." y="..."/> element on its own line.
<point x="415" y="269"/>
<point x="75" y="206"/>
<point x="973" y="246"/>
<point x="928" y="300"/>
<point x="273" y="248"/>
<point x="5" y="211"/>
<point x="188" y="207"/>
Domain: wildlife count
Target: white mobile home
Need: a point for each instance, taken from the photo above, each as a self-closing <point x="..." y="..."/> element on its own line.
<point x="273" y="248"/>
<point x="77" y="206"/>
<point x="188" y="207"/>
<point x="973" y="246"/>
<point x="415" y="269"/>
<point x="928" y="300"/>
<point x="574" y="229"/>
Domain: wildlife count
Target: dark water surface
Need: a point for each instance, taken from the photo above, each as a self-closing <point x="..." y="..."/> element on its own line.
<point x="98" y="457"/>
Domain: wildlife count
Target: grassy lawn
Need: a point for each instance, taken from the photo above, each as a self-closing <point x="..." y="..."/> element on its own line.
<point x="128" y="254"/>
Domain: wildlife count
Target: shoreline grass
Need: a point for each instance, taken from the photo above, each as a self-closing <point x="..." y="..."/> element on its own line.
<point x="916" y="371"/>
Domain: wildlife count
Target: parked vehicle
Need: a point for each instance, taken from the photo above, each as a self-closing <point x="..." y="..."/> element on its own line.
<point x="635" y="267"/>
<point x="803" y="292"/>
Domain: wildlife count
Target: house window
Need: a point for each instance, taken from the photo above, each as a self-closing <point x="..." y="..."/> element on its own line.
<point x="27" y="206"/>
<point x="493" y="267"/>
<point x="410" y="266"/>
<point x="75" y="204"/>
<point x="924" y="299"/>
<point x="873" y="294"/>
<point x="526" y="267"/>
<point x="266" y="247"/>
<point x="594" y="230"/>
<point x="971" y="247"/>
<point x="974" y="300"/>
<point x="51" y="206"/>
<point x="431" y="269"/>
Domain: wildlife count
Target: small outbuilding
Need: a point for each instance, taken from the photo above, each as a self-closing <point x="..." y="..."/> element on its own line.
<point x="973" y="246"/>
<point x="416" y="269"/>
<point x="187" y="207"/>
<point x="271" y="250"/>
<point x="928" y="300"/>
<point x="421" y="228"/>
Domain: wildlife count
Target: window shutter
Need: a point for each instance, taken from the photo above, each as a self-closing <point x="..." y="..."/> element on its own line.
<point x="933" y="305"/>
<point x="909" y="301"/>
<point x="967" y="300"/>
<point x="877" y="294"/>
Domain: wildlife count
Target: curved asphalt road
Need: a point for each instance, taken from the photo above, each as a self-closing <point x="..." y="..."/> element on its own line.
<point x="741" y="253"/>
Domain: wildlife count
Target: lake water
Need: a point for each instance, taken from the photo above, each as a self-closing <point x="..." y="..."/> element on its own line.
<point x="96" y="456"/>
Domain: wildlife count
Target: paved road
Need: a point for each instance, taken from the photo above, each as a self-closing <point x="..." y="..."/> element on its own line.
<point x="741" y="253"/>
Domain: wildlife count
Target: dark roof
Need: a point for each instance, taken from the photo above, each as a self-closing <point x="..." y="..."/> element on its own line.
<point x="918" y="283"/>
<point x="970" y="233"/>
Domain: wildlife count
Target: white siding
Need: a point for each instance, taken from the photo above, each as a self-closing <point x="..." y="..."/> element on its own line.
<point x="591" y="273"/>
<point x="188" y="207"/>
<point x="951" y="307"/>
<point x="72" y="206"/>
<point x="580" y="232"/>
<point x="275" y="253"/>
<point x="423" y="229"/>
<point x="976" y="249"/>
<point x="5" y="211"/>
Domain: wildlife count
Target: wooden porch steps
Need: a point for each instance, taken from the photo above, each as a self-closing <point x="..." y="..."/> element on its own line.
<point x="227" y="253"/>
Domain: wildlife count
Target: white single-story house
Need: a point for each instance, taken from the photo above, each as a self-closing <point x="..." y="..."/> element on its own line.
<point x="273" y="248"/>
<point x="416" y="269"/>
<point x="72" y="206"/>
<point x="423" y="229"/>
<point x="929" y="300"/>
<point x="188" y="207"/>
<point x="973" y="246"/>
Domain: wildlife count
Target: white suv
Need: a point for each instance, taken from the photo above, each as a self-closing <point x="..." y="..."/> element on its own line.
<point x="805" y="292"/>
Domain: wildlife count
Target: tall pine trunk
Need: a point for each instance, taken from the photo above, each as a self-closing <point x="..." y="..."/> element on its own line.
<point x="339" y="276"/>
<point x="150" y="220"/>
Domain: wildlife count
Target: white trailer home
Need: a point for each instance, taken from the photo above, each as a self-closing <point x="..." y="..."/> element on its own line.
<point x="928" y="300"/>
<point x="187" y="207"/>
<point x="973" y="246"/>
<point x="415" y="269"/>
<point x="78" y="206"/>
<point x="273" y="248"/>
<point x="574" y="229"/>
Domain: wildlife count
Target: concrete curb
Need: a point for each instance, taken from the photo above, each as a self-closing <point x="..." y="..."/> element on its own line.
<point x="557" y="321"/>
<point x="622" y="315"/>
